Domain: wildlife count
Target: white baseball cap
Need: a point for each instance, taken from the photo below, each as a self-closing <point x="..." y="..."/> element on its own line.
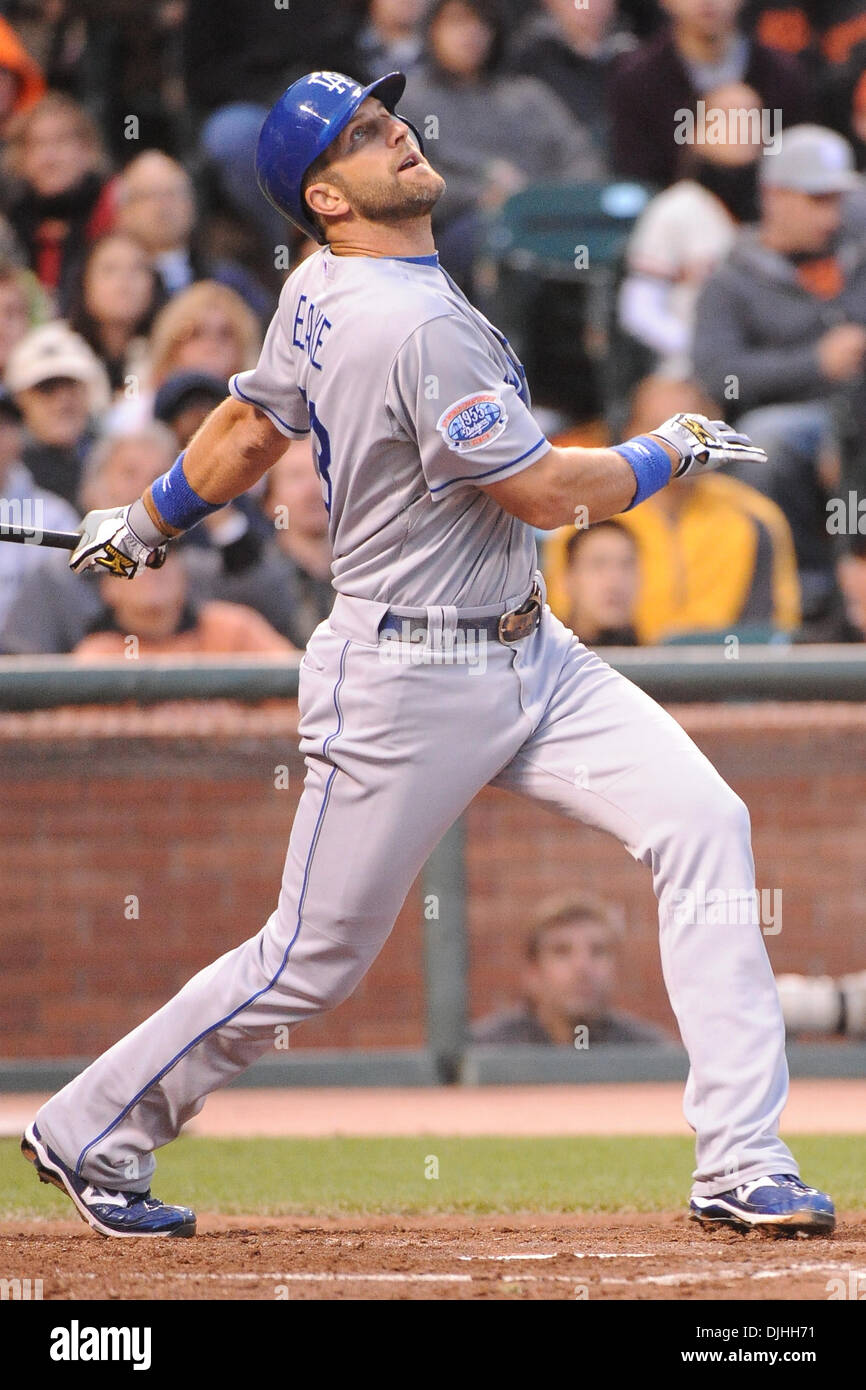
<point x="811" y="159"/>
<point x="54" y="350"/>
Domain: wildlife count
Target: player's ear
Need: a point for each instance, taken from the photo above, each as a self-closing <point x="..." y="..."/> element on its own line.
<point x="326" y="199"/>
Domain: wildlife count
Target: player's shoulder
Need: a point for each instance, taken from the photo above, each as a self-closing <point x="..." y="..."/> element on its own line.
<point x="386" y="298"/>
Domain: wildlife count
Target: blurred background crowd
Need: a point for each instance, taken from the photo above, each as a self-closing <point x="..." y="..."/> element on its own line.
<point x="640" y="266"/>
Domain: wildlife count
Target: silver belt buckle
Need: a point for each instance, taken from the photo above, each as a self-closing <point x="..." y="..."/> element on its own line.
<point x="522" y="621"/>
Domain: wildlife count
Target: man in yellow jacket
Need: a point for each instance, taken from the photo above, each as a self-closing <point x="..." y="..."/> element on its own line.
<point x="714" y="555"/>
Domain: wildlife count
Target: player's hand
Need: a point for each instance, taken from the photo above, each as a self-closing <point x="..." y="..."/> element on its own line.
<point x="703" y="444"/>
<point x="109" y="544"/>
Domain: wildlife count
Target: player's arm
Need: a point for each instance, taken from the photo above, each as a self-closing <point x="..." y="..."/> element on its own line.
<point x="234" y="446"/>
<point x="593" y="484"/>
<point x="549" y="492"/>
<point x="487" y="436"/>
<point x="230" y="451"/>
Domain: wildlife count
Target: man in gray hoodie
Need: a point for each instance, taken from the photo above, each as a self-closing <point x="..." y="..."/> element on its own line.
<point x="780" y="329"/>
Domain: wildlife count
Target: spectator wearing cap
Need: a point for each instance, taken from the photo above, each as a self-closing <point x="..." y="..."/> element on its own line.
<point x="236" y="532"/>
<point x="780" y="331"/>
<point x="155" y="203"/>
<point x="62" y="202"/>
<point x="158" y="612"/>
<point x="184" y="401"/>
<point x="23" y="503"/>
<point x="21" y="80"/>
<point x="61" y="388"/>
<point x="114" y="300"/>
<point x="703" y="46"/>
<point x="570" y="967"/>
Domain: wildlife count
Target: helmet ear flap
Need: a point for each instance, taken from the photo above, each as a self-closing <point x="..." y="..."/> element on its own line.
<point x="416" y="134"/>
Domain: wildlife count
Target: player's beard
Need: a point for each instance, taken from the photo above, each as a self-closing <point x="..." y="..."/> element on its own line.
<point x="393" y="202"/>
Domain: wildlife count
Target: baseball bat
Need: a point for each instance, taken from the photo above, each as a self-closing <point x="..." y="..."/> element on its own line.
<point x="59" y="540"/>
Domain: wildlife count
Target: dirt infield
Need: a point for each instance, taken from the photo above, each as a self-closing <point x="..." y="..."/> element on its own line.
<point x="590" y="1257"/>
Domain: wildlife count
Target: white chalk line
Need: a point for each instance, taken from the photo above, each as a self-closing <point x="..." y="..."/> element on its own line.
<point x="703" y="1276"/>
<point x="614" y="1254"/>
<point x="576" y="1254"/>
<point x="323" y="1278"/>
<point x="672" y="1280"/>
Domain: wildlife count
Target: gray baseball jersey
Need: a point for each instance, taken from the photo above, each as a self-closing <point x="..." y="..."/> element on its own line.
<point x="438" y="404"/>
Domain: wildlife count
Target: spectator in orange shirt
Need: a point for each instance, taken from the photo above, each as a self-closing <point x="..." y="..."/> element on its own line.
<point x="154" y="617"/>
<point x="21" y="81"/>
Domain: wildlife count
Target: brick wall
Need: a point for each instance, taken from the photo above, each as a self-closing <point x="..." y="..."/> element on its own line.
<point x="178" y="807"/>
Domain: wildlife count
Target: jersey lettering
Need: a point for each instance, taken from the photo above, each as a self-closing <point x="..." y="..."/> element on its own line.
<point x="310" y="329"/>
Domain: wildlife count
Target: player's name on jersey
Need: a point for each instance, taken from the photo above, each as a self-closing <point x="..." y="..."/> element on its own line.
<point x="310" y="328"/>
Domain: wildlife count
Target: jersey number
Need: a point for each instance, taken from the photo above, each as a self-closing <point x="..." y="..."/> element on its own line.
<point x="321" y="453"/>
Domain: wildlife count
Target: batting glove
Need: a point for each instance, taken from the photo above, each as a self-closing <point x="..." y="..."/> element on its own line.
<point x="108" y="543"/>
<point x="703" y="444"/>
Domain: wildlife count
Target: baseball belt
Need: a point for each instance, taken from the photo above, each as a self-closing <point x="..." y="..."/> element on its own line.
<point x="507" y="628"/>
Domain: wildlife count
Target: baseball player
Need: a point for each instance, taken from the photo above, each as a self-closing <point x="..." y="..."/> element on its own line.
<point x="434" y="474"/>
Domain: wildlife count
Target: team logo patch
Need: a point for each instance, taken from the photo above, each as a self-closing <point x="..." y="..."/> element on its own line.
<point x="473" y="422"/>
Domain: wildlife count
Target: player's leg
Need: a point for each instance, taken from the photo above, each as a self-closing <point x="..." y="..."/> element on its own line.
<point x="394" y="753"/>
<point x="604" y="753"/>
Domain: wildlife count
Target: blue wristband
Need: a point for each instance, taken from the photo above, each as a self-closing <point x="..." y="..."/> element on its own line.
<point x="650" y="463"/>
<point x="177" y="503"/>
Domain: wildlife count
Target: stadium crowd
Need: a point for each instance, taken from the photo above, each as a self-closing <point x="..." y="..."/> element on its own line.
<point x="139" y="267"/>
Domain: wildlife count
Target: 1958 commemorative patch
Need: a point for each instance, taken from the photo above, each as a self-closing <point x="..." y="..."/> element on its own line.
<point x="473" y="421"/>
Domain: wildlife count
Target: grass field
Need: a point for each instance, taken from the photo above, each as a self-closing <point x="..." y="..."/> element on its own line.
<point x="270" y="1177"/>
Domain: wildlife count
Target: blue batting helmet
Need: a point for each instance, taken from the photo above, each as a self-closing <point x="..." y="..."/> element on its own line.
<point x="302" y="124"/>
